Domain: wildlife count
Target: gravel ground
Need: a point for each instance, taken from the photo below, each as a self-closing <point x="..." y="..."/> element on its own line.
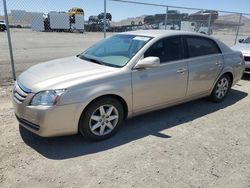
<point x="31" y="47"/>
<point x="197" y="144"/>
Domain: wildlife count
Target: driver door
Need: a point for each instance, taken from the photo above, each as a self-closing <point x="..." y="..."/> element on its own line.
<point x="167" y="83"/>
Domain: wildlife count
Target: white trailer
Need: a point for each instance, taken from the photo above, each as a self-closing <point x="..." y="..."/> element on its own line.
<point x="169" y="26"/>
<point x="188" y="26"/>
<point x="59" y="21"/>
<point x="79" y="23"/>
<point x="192" y="26"/>
<point x="37" y="23"/>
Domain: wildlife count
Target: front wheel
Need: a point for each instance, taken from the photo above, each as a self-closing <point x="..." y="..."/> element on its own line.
<point x="221" y="88"/>
<point x="101" y="119"/>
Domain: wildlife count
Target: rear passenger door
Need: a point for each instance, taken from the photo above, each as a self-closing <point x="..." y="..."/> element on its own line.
<point x="205" y="64"/>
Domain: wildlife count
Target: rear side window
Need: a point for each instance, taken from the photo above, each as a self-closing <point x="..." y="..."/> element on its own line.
<point x="168" y="49"/>
<point x="198" y="46"/>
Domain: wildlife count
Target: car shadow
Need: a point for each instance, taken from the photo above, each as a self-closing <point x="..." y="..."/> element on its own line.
<point x="59" y="148"/>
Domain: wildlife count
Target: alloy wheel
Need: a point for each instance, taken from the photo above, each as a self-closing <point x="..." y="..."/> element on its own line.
<point x="103" y="120"/>
<point x="222" y="88"/>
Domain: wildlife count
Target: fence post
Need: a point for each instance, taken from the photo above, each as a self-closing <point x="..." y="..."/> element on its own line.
<point x="105" y="16"/>
<point x="9" y="40"/>
<point x="238" y="28"/>
<point x="166" y="18"/>
<point x="209" y="23"/>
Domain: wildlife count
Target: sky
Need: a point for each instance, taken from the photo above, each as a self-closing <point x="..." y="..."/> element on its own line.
<point x="124" y="10"/>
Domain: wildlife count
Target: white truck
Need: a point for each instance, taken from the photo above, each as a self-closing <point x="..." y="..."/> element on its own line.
<point x="192" y="26"/>
<point x="187" y="26"/>
<point x="57" y="21"/>
<point x="169" y="26"/>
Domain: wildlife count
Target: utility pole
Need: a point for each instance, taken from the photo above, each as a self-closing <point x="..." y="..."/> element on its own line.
<point x="238" y="29"/>
<point x="105" y="17"/>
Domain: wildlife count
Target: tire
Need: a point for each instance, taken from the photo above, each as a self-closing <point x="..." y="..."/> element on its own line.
<point x="94" y="126"/>
<point x="221" y="89"/>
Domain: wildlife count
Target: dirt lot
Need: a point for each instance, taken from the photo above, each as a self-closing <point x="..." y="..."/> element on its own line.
<point x="197" y="144"/>
<point x="30" y="47"/>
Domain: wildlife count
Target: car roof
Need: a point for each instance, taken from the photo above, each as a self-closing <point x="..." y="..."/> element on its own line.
<point x="157" y="33"/>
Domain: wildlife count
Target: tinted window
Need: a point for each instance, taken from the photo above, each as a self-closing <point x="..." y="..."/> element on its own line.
<point x="198" y="46"/>
<point x="168" y="49"/>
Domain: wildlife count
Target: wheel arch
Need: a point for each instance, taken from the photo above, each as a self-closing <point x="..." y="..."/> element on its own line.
<point x="227" y="72"/>
<point x="117" y="97"/>
<point x="230" y="74"/>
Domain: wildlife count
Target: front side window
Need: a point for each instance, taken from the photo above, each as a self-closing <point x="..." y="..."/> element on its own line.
<point x="198" y="46"/>
<point x="168" y="49"/>
<point x="116" y="50"/>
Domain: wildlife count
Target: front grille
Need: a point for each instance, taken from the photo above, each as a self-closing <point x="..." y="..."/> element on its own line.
<point x="247" y="58"/>
<point x="28" y="124"/>
<point x="20" y="92"/>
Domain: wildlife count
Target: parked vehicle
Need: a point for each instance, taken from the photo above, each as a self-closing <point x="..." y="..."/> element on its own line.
<point x="203" y="16"/>
<point x="244" y="47"/>
<point x="123" y="76"/>
<point x="75" y="11"/>
<point x="187" y="26"/>
<point x="96" y="23"/>
<point x="169" y="26"/>
<point x="193" y="26"/>
<point x="2" y="26"/>
<point x="173" y="15"/>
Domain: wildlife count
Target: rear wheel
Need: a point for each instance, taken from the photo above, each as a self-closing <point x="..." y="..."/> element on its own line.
<point x="101" y="119"/>
<point x="221" y="88"/>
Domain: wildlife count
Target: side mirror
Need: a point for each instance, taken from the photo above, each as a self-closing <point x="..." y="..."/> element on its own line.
<point x="148" y="62"/>
<point x="241" y="40"/>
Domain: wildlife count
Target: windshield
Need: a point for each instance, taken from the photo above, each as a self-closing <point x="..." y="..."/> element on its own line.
<point x="115" y="51"/>
<point x="247" y="40"/>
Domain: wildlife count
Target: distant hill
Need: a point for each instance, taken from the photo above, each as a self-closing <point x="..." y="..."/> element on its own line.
<point x="233" y="20"/>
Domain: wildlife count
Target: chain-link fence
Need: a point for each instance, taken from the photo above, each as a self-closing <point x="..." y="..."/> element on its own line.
<point x="42" y="30"/>
<point x="226" y="26"/>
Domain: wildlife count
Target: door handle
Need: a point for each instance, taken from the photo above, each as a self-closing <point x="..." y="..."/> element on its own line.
<point x="181" y="70"/>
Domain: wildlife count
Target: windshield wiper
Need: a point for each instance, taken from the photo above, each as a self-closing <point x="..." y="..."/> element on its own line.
<point x="97" y="61"/>
<point x="91" y="60"/>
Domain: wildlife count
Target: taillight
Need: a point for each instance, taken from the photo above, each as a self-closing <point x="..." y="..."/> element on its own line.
<point x="241" y="56"/>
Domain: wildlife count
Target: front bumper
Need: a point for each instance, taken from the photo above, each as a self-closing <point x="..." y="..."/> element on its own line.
<point x="48" y="121"/>
<point x="247" y="66"/>
<point x="247" y="62"/>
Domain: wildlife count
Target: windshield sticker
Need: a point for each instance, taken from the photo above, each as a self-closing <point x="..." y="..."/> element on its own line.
<point x="141" y="38"/>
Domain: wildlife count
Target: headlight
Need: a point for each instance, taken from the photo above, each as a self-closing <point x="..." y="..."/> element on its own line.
<point x="47" y="98"/>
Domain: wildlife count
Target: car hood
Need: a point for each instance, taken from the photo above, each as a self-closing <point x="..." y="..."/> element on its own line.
<point x="61" y="73"/>
<point x="243" y="47"/>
